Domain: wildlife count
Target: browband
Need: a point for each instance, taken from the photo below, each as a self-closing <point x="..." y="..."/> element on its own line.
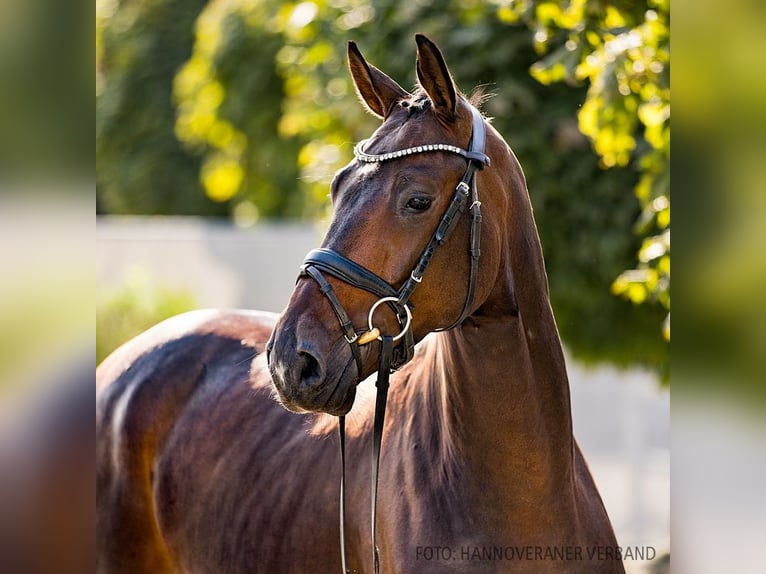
<point x="477" y="156"/>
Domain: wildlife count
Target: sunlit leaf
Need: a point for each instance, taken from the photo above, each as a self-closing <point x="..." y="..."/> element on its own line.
<point x="222" y="178"/>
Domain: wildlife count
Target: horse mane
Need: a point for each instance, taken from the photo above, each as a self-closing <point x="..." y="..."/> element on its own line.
<point x="419" y="101"/>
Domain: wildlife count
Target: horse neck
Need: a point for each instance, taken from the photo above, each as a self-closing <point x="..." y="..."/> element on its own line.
<point x="502" y="379"/>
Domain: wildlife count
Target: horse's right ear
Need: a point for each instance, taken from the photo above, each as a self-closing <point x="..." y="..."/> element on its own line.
<point x="376" y="90"/>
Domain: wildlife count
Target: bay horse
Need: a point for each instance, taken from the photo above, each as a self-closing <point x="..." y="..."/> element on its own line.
<point x="200" y="470"/>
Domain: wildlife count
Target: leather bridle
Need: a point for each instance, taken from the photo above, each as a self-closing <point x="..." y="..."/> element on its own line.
<point x="327" y="261"/>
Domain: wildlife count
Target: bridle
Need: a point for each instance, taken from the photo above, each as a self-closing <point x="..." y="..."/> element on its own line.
<point x="333" y="263"/>
<point x="319" y="261"/>
<point x="327" y="261"/>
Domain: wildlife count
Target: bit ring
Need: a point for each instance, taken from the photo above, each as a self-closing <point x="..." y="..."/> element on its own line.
<point x="386" y="300"/>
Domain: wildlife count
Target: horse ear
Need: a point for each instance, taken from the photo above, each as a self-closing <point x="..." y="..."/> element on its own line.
<point x="435" y="77"/>
<point x="376" y="90"/>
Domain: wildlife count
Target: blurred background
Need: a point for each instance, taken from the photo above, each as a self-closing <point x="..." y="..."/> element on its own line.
<point x="219" y="124"/>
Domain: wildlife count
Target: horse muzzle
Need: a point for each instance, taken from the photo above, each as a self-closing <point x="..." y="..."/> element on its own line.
<point x="308" y="378"/>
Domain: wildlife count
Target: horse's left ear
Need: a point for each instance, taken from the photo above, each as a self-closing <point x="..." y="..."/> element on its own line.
<point x="435" y="77"/>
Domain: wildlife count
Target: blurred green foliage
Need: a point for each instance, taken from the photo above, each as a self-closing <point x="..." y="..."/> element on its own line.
<point x="263" y="112"/>
<point x="45" y="99"/>
<point x="622" y="51"/>
<point x="721" y="85"/>
<point x="133" y="308"/>
<point x="231" y="118"/>
<point x="141" y="168"/>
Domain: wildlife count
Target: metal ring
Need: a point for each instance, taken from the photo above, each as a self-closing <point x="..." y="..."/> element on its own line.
<point x="385" y="300"/>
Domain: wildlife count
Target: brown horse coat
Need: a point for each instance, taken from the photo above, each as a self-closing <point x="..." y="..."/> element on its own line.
<point x="201" y="470"/>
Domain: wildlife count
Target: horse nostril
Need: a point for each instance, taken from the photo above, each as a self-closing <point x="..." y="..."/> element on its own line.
<point x="311" y="371"/>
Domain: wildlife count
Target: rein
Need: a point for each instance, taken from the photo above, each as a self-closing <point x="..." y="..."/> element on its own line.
<point x="392" y="355"/>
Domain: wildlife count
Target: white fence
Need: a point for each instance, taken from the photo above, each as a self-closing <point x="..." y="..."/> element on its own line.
<point x="621" y="419"/>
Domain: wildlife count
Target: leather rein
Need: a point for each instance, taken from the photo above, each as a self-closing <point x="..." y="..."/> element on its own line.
<point x="392" y="356"/>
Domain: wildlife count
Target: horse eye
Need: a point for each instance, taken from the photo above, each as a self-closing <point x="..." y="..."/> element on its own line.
<point x="418" y="203"/>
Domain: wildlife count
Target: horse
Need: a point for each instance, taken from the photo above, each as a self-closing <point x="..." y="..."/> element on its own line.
<point x="204" y="465"/>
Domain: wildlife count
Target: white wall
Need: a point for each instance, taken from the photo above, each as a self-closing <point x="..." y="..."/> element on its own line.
<point x="222" y="265"/>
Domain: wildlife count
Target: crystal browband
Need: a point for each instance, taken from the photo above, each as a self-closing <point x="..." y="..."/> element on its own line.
<point x="362" y="156"/>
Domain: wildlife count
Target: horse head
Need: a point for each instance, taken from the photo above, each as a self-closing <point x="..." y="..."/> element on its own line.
<point x="426" y="194"/>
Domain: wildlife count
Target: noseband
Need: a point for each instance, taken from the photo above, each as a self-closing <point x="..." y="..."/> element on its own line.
<point x="391" y="357"/>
